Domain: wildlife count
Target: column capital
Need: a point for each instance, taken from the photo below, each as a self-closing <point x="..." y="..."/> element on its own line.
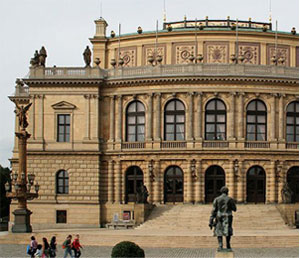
<point x="198" y="94"/>
<point x="157" y="94"/>
<point x="233" y="93"/>
<point x="149" y="95"/>
<point x="87" y="96"/>
<point x="241" y="94"/>
<point x="118" y="97"/>
<point x="190" y="94"/>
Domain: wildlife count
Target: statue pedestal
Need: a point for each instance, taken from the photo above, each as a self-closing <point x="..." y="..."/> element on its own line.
<point x="22" y="221"/>
<point x="224" y="254"/>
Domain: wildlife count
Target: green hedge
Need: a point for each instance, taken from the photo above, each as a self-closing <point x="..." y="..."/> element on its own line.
<point x="127" y="249"/>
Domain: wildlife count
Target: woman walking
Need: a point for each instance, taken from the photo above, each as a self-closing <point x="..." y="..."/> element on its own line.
<point x="45" y="248"/>
<point x="52" y="251"/>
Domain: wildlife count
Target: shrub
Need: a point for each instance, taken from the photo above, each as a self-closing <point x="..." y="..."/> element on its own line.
<point x="127" y="249"/>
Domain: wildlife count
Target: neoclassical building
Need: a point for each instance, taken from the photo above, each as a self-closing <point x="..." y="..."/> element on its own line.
<point x="184" y="111"/>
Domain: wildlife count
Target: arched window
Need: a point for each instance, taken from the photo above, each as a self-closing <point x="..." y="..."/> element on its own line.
<point x="174" y="121"/>
<point x="135" y="122"/>
<point x="62" y="182"/>
<point x="215" y="120"/>
<point x="292" y="122"/>
<point x="134" y="180"/>
<point x="256" y="121"/>
<point x="256" y="184"/>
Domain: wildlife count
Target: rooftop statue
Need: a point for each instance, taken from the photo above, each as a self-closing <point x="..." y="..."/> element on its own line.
<point x="42" y="56"/>
<point x="21" y="113"/>
<point x="35" y="60"/>
<point x="87" y="56"/>
<point x="221" y="218"/>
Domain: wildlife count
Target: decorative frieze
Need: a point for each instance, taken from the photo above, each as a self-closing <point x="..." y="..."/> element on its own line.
<point x="282" y="55"/>
<point x="250" y="51"/>
<point x="182" y="52"/>
<point x="216" y="52"/>
<point x="128" y="55"/>
<point x="152" y="51"/>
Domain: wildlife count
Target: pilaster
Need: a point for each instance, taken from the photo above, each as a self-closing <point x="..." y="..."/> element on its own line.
<point x="110" y="176"/>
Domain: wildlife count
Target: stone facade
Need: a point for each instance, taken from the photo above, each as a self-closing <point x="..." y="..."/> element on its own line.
<point x="98" y="155"/>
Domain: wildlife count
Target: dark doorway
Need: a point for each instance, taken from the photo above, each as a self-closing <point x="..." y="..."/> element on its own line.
<point x="292" y="179"/>
<point x="173" y="185"/>
<point x="214" y="180"/>
<point x="134" y="180"/>
<point x="256" y="185"/>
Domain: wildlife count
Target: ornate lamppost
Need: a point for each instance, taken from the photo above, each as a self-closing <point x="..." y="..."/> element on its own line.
<point x="21" y="183"/>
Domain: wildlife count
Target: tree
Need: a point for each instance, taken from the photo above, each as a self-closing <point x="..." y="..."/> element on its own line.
<point x="4" y="202"/>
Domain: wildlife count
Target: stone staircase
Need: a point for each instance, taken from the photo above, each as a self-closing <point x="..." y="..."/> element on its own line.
<point x="186" y="217"/>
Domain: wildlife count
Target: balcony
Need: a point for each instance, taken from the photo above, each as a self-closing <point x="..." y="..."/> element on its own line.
<point x="133" y="145"/>
<point x="292" y="145"/>
<point x="173" y="144"/>
<point x="257" y="145"/>
<point x="198" y="70"/>
<point x="215" y="144"/>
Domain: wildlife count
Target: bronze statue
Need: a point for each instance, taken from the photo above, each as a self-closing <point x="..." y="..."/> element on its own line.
<point x="42" y="56"/>
<point x="221" y="218"/>
<point x="21" y="113"/>
<point x="286" y="193"/>
<point x="142" y="194"/>
<point x="87" y="56"/>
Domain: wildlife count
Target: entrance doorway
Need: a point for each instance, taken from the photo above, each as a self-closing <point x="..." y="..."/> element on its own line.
<point x="134" y="180"/>
<point x="256" y="185"/>
<point x="214" y="180"/>
<point x="292" y="178"/>
<point x="173" y="185"/>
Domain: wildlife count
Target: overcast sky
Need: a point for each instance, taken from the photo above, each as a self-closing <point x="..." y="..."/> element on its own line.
<point x="65" y="26"/>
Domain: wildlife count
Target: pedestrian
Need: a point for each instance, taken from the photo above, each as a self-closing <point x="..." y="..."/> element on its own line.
<point x="52" y="251"/>
<point x="76" y="246"/>
<point x="45" y="248"/>
<point x="38" y="252"/>
<point x="67" y="245"/>
<point x="33" y="246"/>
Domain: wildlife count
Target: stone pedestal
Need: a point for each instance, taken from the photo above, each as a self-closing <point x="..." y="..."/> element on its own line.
<point x="22" y="221"/>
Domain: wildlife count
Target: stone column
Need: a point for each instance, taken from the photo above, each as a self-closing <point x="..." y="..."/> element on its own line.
<point x="156" y="183"/>
<point x="40" y="131"/>
<point x="110" y="188"/>
<point x="199" y="183"/>
<point x="112" y="119"/>
<point x="240" y="181"/>
<point x="281" y="118"/>
<point x="189" y="195"/>
<point x="87" y="116"/>
<point x="241" y="115"/>
<point x="157" y="135"/>
<point x="271" y="185"/>
<point x="95" y="133"/>
<point x="231" y="117"/>
<point x="198" y="116"/>
<point x="118" y="186"/>
<point x="230" y="179"/>
<point x="281" y="182"/>
<point x="119" y="119"/>
<point x="149" y="186"/>
<point x="190" y="117"/>
<point x="149" y="118"/>
<point x="273" y="118"/>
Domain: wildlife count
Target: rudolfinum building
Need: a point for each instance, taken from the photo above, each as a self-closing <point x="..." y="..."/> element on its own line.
<point x="183" y="110"/>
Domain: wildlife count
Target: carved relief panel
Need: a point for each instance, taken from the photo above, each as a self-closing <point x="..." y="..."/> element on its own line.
<point x="283" y="52"/>
<point x="216" y="52"/>
<point x="250" y="51"/>
<point x="150" y="50"/>
<point x="182" y="53"/>
<point x="128" y="55"/>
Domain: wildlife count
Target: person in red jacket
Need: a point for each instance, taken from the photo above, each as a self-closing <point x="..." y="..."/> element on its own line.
<point x="76" y="246"/>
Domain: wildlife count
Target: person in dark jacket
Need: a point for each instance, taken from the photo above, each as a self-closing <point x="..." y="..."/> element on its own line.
<point x="221" y="218"/>
<point x="53" y="249"/>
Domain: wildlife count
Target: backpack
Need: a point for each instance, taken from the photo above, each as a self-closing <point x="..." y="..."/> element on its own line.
<point x="64" y="245"/>
<point x="29" y="250"/>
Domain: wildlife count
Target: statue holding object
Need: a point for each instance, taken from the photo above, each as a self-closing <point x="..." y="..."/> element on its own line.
<point x="87" y="56"/>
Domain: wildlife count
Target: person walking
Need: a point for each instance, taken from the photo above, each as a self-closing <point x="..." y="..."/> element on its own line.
<point x="33" y="246"/>
<point x="45" y="248"/>
<point x="67" y="245"/>
<point x="38" y="252"/>
<point x="76" y="246"/>
<point x="52" y="251"/>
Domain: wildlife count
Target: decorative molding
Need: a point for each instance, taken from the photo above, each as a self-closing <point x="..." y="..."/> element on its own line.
<point x="182" y="52"/>
<point x="129" y="55"/>
<point x="250" y="51"/>
<point x="63" y="105"/>
<point x="282" y="51"/>
<point x="216" y="52"/>
<point x="149" y="50"/>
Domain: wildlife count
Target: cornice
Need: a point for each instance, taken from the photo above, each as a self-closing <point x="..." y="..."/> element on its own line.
<point x="79" y="82"/>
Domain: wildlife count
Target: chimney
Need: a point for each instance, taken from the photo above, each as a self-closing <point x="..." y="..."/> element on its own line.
<point x="101" y="26"/>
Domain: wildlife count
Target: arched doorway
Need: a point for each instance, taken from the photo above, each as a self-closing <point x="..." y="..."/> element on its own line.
<point x="134" y="179"/>
<point x="173" y="185"/>
<point x="214" y="180"/>
<point x="292" y="178"/>
<point x="256" y="185"/>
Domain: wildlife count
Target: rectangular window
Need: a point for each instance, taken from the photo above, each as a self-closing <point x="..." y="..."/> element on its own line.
<point x="63" y="128"/>
<point x="61" y="216"/>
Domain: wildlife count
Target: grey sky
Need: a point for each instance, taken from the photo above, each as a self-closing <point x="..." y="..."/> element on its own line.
<point x="64" y="27"/>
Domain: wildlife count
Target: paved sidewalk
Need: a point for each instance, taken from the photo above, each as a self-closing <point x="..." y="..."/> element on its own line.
<point x="93" y="251"/>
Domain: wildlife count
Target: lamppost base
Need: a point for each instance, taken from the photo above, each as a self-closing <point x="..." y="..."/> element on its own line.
<point x="22" y="221"/>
